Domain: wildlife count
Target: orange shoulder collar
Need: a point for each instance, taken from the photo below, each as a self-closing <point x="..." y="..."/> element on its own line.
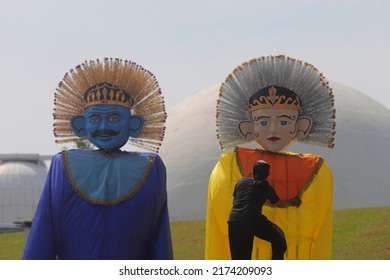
<point x="290" y="174"/>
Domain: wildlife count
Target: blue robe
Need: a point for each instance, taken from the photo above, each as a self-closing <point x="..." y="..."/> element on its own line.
<point x="102" y="206"/>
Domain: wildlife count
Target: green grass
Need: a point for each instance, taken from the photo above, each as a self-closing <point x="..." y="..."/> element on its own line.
<point x="361" y="234"/>
<point x="358" y="234"/>
<point x="11" y="246"/>
<point x="188" y="240"/>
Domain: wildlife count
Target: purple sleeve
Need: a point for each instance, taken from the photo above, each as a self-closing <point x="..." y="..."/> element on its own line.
<point x="162" y="243"/>
<point x="43" y="237"/>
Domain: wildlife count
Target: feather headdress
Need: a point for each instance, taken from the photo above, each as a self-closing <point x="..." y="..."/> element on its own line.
<point x="302" y="78"/>
<point x="121" y="82"/>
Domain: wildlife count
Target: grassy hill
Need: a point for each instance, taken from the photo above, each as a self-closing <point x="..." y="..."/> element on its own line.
<point x="358" y="234"/>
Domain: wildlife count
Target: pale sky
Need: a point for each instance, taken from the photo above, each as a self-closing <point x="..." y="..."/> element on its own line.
<point x="187" y="45"/>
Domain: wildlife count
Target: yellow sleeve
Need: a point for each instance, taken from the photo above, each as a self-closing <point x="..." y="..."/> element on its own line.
<point x="219" y="203"/>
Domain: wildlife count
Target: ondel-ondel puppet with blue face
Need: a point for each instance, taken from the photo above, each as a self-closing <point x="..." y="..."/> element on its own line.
<point x="106" y="203"/>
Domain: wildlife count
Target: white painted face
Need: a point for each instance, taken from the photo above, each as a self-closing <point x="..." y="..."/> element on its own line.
<point x="275" y="129"/>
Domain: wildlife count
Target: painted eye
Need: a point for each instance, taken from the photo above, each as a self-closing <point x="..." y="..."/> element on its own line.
<point x="263" y="123"/>
<point x="94" y="120"/>
<point x="283" y="123"/>
<point x="114" y="119"/>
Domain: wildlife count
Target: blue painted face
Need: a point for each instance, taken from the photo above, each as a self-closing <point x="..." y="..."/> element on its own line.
<point x="107" y="126"/>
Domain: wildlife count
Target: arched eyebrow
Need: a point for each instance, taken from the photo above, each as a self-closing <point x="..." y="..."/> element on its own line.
<point x="256" y="118"/>
<point x="286" y="116"/>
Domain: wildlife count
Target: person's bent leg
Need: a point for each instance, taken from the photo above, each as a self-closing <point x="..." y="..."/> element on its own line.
<point x="266" y="230"/>
<point x="240" y="242"/>
<point x="278" y="243"/>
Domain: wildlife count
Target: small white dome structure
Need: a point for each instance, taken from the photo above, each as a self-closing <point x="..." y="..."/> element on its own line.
<point x="359" y="161"/>
<point x="22" y="178"/>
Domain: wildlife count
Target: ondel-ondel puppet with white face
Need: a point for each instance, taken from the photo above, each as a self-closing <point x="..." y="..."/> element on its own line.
<point x="105" y="203"/>
<point x="274" y="101"/>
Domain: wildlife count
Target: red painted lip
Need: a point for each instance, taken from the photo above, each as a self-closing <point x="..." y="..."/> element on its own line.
<point x="273" y="138"/>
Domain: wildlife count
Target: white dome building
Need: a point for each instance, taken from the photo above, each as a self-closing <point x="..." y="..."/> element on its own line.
<point x="21" y="182"/>
<point x="359" y="161"/>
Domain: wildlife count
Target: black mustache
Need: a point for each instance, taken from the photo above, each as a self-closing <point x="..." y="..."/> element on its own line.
<point x="99" y="132"/>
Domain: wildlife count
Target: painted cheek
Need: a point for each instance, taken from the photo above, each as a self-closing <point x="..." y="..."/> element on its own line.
<point x="261" y="134"/>
<point x="265" y="131"/>
<point x="90" y="127"/>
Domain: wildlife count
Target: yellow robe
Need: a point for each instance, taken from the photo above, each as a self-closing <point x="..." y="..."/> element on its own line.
<point x="308" y="228"/>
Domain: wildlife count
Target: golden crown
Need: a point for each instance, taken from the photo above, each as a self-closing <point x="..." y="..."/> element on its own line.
<point x="106" y="93"/>
<point x="274" y="97"/>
